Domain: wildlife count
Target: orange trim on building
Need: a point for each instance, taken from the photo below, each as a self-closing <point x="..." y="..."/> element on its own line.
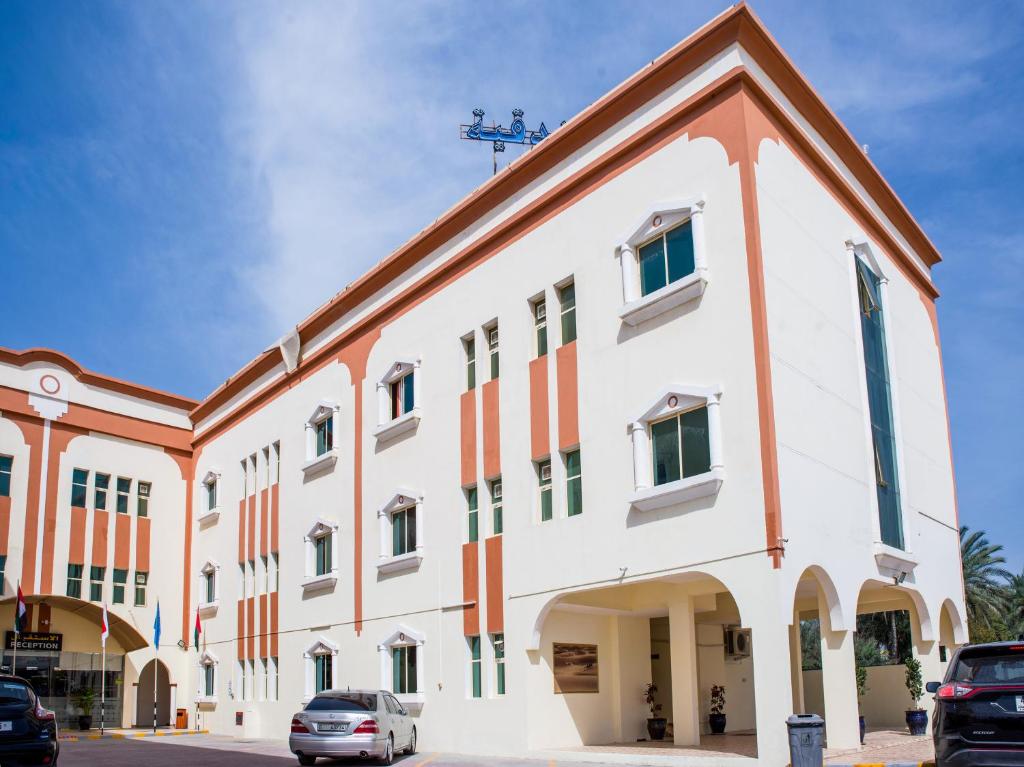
<point x="495" y="585"/>
<point x="471" y="589"/>
<point x="490" y="396"/>
<point x="263" y="625"/>
<point x="5" y="523"/>
<point x="250" y="627"/>
<point x="241" y="530"/>
<point x="187" y="467"/>
<point x="32" y="431"/>
<point x="142" y="543"/>
<point x="273" y="623"/>
<point x="100" y="532"/>
<point x="275" y="495"/>
<point x="60" y="436"/>
<point x="122" y="541"/>
<point x="76" y="545"/>
<point x="251" y="548"/>
<point x="467" y="440"/>
<point x="540" y="440"/>
<point x="568" y="396"/>
<point x="240" y="639"/>
<point x="264" y="515"/>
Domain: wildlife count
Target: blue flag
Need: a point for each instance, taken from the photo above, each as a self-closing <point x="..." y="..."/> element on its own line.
<point x="156" y="626"/>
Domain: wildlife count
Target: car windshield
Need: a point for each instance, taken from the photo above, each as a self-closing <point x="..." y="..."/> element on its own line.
<point x="347" y="701"/>
<point x="991" y="665"/>
<point x="14" y="692"/>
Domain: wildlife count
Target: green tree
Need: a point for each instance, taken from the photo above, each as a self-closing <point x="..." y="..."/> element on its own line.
<point x="983" y="573"/>
<point x="1015" y="603"/>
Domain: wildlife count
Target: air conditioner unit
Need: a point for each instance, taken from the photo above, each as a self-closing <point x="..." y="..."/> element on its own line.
<point x="492" y="337"/>
<point x="737" y="642"/>
<point x="541" y="311"/>
<point x="545" y="473"/>
<point x="496" y="491"/>
<point x="140" y="579"/>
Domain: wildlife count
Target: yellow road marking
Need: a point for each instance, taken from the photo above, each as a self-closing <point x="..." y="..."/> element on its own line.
<point x="428" y="760"/>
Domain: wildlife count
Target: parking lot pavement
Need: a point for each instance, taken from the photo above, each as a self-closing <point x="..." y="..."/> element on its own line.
<point x="217" y="751"/>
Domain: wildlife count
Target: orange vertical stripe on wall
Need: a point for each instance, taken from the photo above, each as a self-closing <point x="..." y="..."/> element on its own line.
<point x="263" y="625"/>
<point x="275" y="498"/>
<point x="264" y="513"/>
<point x="467" y="438"/>
<point x="122" y="541"/>
<point x="241" y="530"/>
<point x="240" y="641"/>
<point x="250" y="627"/>
<point x="142" y="529"/>
<point x="568" y="396"/>
<point x="252" y="527"/>
<point x="470" y="589"/>
<point x="76" y="547"/>
<point x="273" y="624"/>
<point x="32" y="430"/>
<point x="492" y="430"/>
<point x="5" y="522"/>
<point x="60" y="436"/>
<point x="495" y="585"/>
<point x="100" y="525"/>
<point x="540" y="445"/>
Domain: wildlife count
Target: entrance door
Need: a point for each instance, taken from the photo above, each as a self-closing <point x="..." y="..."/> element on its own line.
<point x="144" y="699"/>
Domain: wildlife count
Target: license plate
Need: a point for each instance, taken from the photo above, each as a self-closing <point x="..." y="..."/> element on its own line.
<point x="1020" y="705"/>
<point x="330" y="727"/>
<point x="6" y="726"/>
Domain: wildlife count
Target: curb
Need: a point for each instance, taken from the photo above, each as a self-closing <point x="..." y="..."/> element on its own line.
<point x="928" y="763"/>
<point x="130" y="735"/>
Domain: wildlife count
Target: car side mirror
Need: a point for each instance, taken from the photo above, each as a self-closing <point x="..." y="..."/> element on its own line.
<point x="933" y="686"/>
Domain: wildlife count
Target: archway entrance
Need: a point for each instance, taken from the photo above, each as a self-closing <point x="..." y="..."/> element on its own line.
<point x="144" y="698"/>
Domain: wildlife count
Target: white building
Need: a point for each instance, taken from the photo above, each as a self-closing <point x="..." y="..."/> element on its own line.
<point x="718" y="407"/>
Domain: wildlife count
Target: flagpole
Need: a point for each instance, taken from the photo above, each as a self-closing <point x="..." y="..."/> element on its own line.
<point x="103" y="689"/>
<point x="17" y="632"/>
<point x="156" y="660"/>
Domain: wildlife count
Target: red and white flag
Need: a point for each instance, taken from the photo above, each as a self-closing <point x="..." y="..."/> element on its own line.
<point x="20" y="613"/>
<point x="104" y="626"/>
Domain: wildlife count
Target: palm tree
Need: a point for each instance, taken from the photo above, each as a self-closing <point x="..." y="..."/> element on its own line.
<point x="986" y="596"/>
<point x="1015" y="603"/>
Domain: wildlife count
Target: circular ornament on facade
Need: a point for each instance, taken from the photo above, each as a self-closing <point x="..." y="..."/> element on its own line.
<point x="401" y="499"/>
<point x="398" y="368"/>
<point x="673" y="401"/>
<point x="656" y="221"/>
<point x="401" y="637"/>
<point x="49" y="384"/>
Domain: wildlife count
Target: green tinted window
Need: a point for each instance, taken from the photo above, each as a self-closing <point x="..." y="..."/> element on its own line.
<point x="567" y="298"/>
<point x="79" y="480"/>
<point x="474" y="654"/>
<point x="696" y="445"/>
<point x="6" y="462"/>
<point x="473" y="523"/>
<point x="574" y="483"/>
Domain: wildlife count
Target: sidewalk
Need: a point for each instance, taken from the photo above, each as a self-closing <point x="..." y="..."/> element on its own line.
<point x="75" y="736"/>
<point x="888" y="748"/>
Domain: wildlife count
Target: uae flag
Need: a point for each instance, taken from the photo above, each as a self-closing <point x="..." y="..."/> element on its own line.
<point x="104" y="626"/>
<point x="20" y="613"/>
<point x="198" y="630"/>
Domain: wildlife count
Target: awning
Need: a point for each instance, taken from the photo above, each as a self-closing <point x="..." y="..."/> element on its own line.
<point x="125" y="633"/>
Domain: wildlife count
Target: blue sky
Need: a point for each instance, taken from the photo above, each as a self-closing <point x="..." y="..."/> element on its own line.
<point x="181" y="182"/>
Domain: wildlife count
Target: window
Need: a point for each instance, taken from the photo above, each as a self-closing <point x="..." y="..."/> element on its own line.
<point x="209" y="680"/>
<point x="876" y="367"/>
<point x="96" y="576"/>
<point x="79" y="480"/>
<point x="492" y="350"/>
<point x="142" y="502"/>
<point x="264" y="683"/>
<point x="544" y="481"/>
<point x="277" y="462"/>
<point x="567" y="298"/>
<point x="266" y="466"/>
<point x="240" y="680"/>
<point x="498" y="523"/>
<point x="398" y="399"/>
<point x="498" y="642"/>
<point x="250" y="581"/>
<point x="574" y="483"/>
<point x="3" y="571"/>
<point x="470" y="346"/>
<point x="403" y="669"/>
<point x="540" y="324"/>
<point x="141" y="579"/>
<point x="74" y="581"/>
<point x="99" y="497"/>
<point x="322" y="673"/>
<point x="403" y="395"/>
<point x="124" y="487"/>
<point x="666" y="258"/>
<point x="275" y="579"/>
<point x="272" y="690"/>
<point x="681" y="446"/>
<point x="209" y="579"/>
<point x="473" y="526"/>
<point x="321" y="543"/>
<point x="250" y="679"/>
<point x="403" y="531"/>
<point x="120" y="579"/>
<point x="266" y="575"/>
<point x="6" y="463"/>
<point x="324" y="436"/>
<point x="210" y="485"/>
<point x="322" y="546"/>
<point x="476" y="684"/>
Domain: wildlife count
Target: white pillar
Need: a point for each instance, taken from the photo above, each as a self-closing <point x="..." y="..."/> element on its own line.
<point x="773" y="694"/>
<point x="838" y="682"/>
<point x="700" y="254"/>
<point x="715" y="432"/>
<point x="630" y="273"/>
<point x="417" y="385"/>
<point x="932" y="669"/>
<point x="383" y="403"/>
<point x="796" y="669"/>
<point x="685" y="686"/>
<point x="642" y="472"/>
<point x="310" y="442"/>
<point x="382" y="523"/>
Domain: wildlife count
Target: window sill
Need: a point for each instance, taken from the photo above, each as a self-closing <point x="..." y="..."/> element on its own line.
<point x="397" y="426"/>
<point x="206" y="700"/>
<point x="411" y="700"/>
<point x="892" y="561"/>
<point x="320" y="582"/>
<point x="680" y="491"/>
<point x="321" y="463"/>
<point x="672" y="295"/>
<point x="408" y="561"/>
<point x="209" y="607"/>
<point x="210" y="515"/>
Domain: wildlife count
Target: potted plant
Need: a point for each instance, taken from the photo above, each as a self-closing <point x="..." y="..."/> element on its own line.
<point x="862" y="688"/>
<point x="84" y="698"/>
<point x="656" y="724"/>
<point x="716" y="719"/>
<point x="917" y="717"/>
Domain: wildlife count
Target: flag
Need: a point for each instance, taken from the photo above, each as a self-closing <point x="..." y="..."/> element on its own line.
<point x="198" y="629"/>
<point x="20" y="613"/>
<point x="104" y="626"/>
<point x="156" y="626"/>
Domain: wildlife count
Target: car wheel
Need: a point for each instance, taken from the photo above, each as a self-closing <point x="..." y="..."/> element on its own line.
<point x="389" y="751"/>
<point x="412" y="743"/>
<point x="306" y="761"/>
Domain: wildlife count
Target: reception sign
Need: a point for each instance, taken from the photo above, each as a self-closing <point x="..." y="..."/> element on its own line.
<point x="35" y="640"/>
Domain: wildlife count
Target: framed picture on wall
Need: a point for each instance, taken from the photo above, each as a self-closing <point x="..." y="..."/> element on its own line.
<point x="575" y="667"/>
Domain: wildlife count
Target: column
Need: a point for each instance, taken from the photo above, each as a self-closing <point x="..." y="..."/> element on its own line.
<point x="773" y="694"/>
<point x="932" y="669"/>
<point x="715" y="431"/>
<point x="796" y="663"/>
<point x="630" y="273"/>
<point x="838" y="682"/>
<point x="700" y="254"/>
<point x="642" y="472"/>
<point x="685" y="687"/>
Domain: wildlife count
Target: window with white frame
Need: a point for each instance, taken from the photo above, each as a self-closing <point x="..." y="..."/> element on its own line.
<point x="79" y="487"/>
<point x="321" y="669"/>
<point x="321" y="545"/>
<point x="321" y="428"/>
<point x="398" y="397"/>
<point x="142" y="501"/>
<point x="573" y="483"/>
<point x="272" y="688"/>
<point x="209" y="585"/>
<point x="677" y="454"/>
<point x="99" y="498"/>
<point x="540" y="327"/>
<point x="401" y="669"/>
<point x="544" y="487"/>
<point x="124" y="488"/>
<point x="469" y="346"/>
<point x="497" y="507"/>
<point x="663" y="260"/>
<point x="567" y="301"/>
<point x="208" y="664"/>
<point x="211" y="493"/>
<point x="401" y="531"/>
<point x="476" y="689"/>
<point x="498" y="645"/>
<point x="491" y="334"/>
<point x="264" y="680"/>
<point x="240" y="680"/>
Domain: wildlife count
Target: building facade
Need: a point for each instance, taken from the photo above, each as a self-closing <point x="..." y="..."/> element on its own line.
<point x="666" y="385"/>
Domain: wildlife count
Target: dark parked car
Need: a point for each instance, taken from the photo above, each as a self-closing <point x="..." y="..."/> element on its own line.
<point x="28" y="732"/>
<point x="979" y="707"/>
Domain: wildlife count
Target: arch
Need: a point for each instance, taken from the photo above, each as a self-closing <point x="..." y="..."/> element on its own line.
<point x="837" y="616"/>
<point x="920" y="612"/>
<point x="154" y="672"/>
<point x="123" y="632"/>
<point x="951" y="611"/>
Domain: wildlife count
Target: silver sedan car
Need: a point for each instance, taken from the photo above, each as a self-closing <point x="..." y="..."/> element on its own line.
<point x="364" y="723"/>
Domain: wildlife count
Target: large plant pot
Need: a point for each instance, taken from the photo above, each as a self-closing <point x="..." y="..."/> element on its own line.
<point x="917" y="721"/>
<point x="85" y="722"/>
<point x="656" y="727"/>
<point x="863" y="729"/>
<point x="717" y="723"/>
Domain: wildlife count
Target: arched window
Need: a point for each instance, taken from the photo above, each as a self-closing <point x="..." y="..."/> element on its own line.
<point x="209" y="505"/>
<point x="321" y="437"/>
<point x="208" y="678"/>
<point x="401" y="664"/>
<point x="321" y="668"/>
<point x="209" y="586"/>
<point x="398" y="399"/>
<point x="401" y="532"/>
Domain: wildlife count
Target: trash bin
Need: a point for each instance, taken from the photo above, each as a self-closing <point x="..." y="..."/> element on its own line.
<point x="181" y="719"/>
<point x="805" y="740"/>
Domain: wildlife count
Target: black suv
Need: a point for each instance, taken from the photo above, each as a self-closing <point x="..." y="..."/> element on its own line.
<point x="28" y="732"/>
<point x="979" y="707"/>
